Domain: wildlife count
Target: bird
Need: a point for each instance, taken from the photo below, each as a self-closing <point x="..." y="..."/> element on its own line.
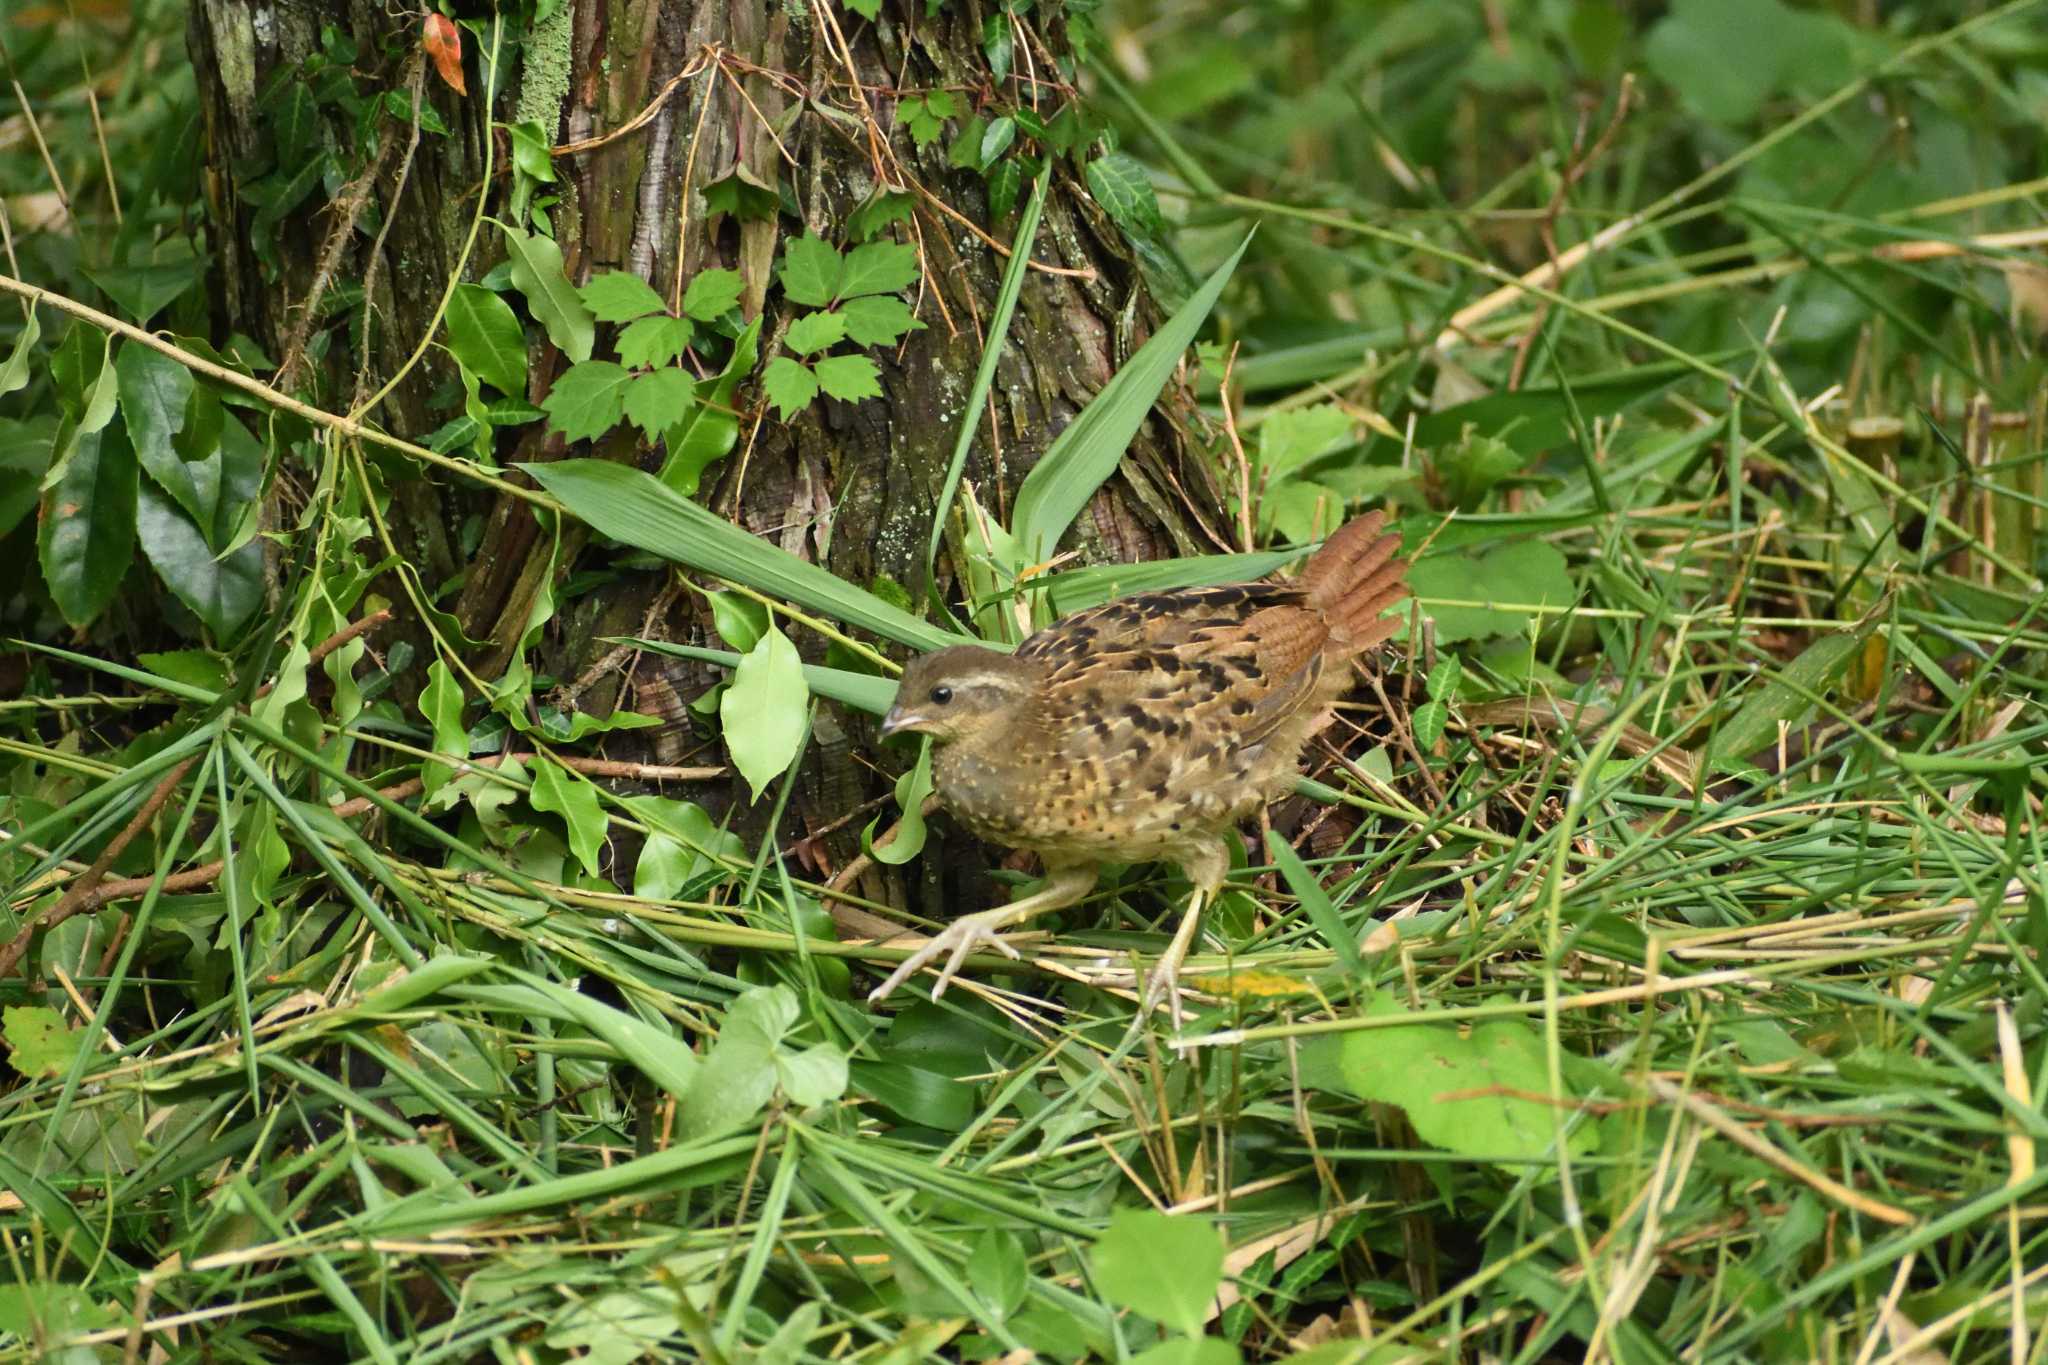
<point x="1145" y="729"/>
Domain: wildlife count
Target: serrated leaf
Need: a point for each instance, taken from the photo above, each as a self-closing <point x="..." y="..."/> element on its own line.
<point x="486" y="339"/>
<point x="537" y="274"/>
<point x="814" y="332"/>
<point x="588" y="400"/>
<point x="659" y="399"/>
<point x="763" y="711"/>
<point x="788" y="386"/>
<point x="810" y="271"/>
<point x="849" y="378"/>
<point x="712" y="294"/>
<point x="620" y="296"/>
<point x="1125" y="192"/>
<point x="712" y="428"/>
<point x="878" y="268"/>
<point x="878" y="319"/>
<point x="1166" y="1267"/>
<point x="646" y="343"/>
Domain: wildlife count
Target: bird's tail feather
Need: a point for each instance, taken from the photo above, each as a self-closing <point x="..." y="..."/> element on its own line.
<point x="1353" y="579"/>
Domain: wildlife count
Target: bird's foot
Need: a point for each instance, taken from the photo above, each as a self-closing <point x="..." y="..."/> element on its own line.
<point x="958" y="939"/>
<point x="1162" y="983"/>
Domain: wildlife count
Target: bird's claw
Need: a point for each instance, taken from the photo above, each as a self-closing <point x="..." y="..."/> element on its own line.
<point x="1163" y="983"/>
<point x="957" y="940"/>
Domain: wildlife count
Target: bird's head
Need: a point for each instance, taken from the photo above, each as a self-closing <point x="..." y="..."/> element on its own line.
<point x="959" y="691"/>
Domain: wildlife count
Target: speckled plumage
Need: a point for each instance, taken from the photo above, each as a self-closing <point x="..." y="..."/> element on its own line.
<point x="1145" y="728"/>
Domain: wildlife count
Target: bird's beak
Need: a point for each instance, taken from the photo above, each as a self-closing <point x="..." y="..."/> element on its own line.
<point x="898" y="720"/>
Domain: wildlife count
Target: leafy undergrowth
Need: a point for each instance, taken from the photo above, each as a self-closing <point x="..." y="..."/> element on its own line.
<point x="1650" y="967"/>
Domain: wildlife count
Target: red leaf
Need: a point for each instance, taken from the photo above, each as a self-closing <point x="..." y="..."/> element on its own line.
<point x="443" y="42"/>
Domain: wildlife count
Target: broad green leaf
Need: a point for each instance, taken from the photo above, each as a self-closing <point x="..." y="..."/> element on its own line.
<point x="537" y="273"/>
<point x="861" y="691"/>
<point x="1470" y="468"/>
<point x="659" y="399"/>
<point x="25" y="450"/>
<point x="1292" y="438"/>
<point x="639" y="510"/>
<point x="98" y="398"/>
<point x="1785" y="699"/>
<point x="39" y="1042"/>
<point x="485" y="336"/>
<point x="878" y="320"/>
<point x="713" y="427"/>
<point x="86" y="539"/>
<point x="440" y="701"/>
<point x="911" y="790"/>
<point x="996" y="139"/>
<point x="712" y="294"/>
<point x="810" y="271"/>
<point x="763" y="711"/>
<point x="588" y="399"/>
<point x="813" y="332"/>
<point x="221" y="591"/>
<point x="878" y="268"/>
<point x="788" y="385"/>
<point x="1093" y="444"/>
<point x="647" y="342"/>
<point x="740" y="621"/>
<point x="15" y="371"/>
<point x="155" y="391"/>
<point x="1516" y="576"/>
<point x="1125" y="192"/>
<point x="620" y="296"/>
<point x="1166" y="1267"/>
<point x="570" y="795"/>
<point x="739" y="1075"/>
<point x="848" y="378"/>
<point x="143" y="291"/>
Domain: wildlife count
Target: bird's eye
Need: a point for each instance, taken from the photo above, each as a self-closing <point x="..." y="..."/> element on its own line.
<point x="942" y="695"/>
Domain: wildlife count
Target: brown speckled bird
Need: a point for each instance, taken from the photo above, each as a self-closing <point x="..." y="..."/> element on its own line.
<point x="1143" y="729"/>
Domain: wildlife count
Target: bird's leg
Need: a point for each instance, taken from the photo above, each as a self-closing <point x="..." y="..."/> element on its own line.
<point x="1206" y="868"/>
<point x="1063" y="886"/>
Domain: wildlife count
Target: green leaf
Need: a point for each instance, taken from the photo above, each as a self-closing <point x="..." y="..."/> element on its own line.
<point x="1165" y="1267"/>
<point x="222" y="592"/>
<point x="849" y="378"/>
<point x="155" y="390"/>
<point x="738" y="1075"/>
<point x="14" y="373"/>
<point x="882" y="208"/>
<point x="637" y="509"/>
<point x="25" y="450"/>
<point x="1093" y="444"/>
<point x="143" y="291"/>
<point x="1785" y="699"/>
<point x="39" y="1042"/>
<point x="1315" y="902"/>
<point x="996" y="44"/>
<point x="1120" y="185"/>
<point x="1005" y="179"/>
<point x="911" y="790"/>
<point x="440" y="702"/>
<point x="659" y="399"/>
<point x="713" y="428"/>
<point x="742" y="195"/>
<point x="537" y="274"/>
<point x="1453" y="1087"/>
<point x="810" y="271"/>
<point x="866" y="9"/>
<point x="1193" y="1351"/>
<point x="878" y="268"/>
<point x="645" y="343"/>
<point x="570" y="795"/>
<point x="588" y="400"/>
<point x="1519" y="575"/>
<point x="787" y="385"/>
<point x="486" y="339"/>
<point x="740" y="621"/>
<point x="531" y="152"/>
<point x="996" y="139"/>
<point x="814" y="332"/>
<point x="1292" y="438"/>
<point x="878" y="319"/>
<point x="1472" y="467"/>
<point x="621" y="296"/>
<point x="712" y="294"/>
<point x="924" y="117"/>
<point x="763" y="711"/>
<point x="86" y="539"/>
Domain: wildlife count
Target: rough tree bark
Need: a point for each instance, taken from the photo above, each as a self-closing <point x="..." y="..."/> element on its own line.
<point x="799" y="96"/>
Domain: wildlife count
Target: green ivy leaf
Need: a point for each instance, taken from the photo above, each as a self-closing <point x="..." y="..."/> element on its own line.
<point x="588" y="400"/>
<point x="621" y="296"/>
<point x="712" y="294"/>
<point x="763" y="712"/>
<point x="849" y="378"/>
<point x="659" y="399"/>
<point x="537" y="274"/>
<point x="924" y="116"/>
<point x="486" y="339"/>
<point x="741" y="195"/>
<point x="997" y="43"/>
<point x="570" y="795"/>
<point x="810" y="271"/>
<point x="878" y="268"/>
<point x="814" y="332"/>
<point x="1004" y="181"/>
<point x="1166" y="1267"/>
<point x="873" y="218"/>
<point x="966" y="149"/>
<point x="788" y="386"/>
<point x="1125" y="192"/>
<point x="878" y="320"/>
<point x="997" y="139"/>
<point x="646" y="343"/>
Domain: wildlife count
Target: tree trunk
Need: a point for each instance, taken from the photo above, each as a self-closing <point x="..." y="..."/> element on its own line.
<point x="758" y="89"/>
